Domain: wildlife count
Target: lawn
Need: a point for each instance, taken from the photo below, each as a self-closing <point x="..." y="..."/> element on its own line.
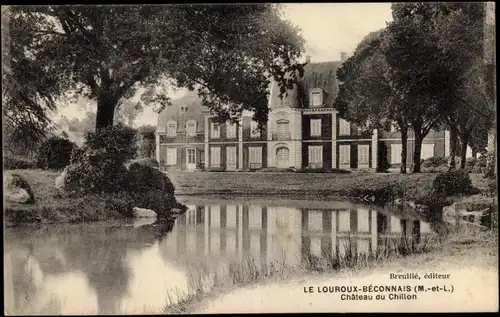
<point x="52" y="206"/>
<point x="384" y="186"/>
<point x="291" y="183"/>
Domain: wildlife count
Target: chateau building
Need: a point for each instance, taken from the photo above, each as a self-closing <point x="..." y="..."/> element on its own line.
<point x="303" y="131"/>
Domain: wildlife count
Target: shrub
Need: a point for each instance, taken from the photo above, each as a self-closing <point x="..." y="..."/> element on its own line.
<point x="142" y="178"/>
<point x="54" y="153"/>
<point x="434" y="161"/>
<point x="322" y="170"/>
<point x="492" y="188"/>
<point x="470" y="164"/>
<point x="151" y="162"/>
<point x="277" y="169"/>
<point x="216" y="169"/>
<point x="490" y="164"/>
<point x="99" y="166"/>
<point x="13" y="163"/>
<point x="438" y="169"/>
<point x="452" y="182"/>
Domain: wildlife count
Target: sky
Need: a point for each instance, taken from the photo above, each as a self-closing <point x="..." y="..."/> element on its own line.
<point x="328" y="29"/>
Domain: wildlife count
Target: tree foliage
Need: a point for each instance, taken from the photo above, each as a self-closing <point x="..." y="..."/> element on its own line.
<point x="106" y="53"/>
<point x="434" y="52"/>
<point x="425" y="71"/>
<point x="366" y="95"/>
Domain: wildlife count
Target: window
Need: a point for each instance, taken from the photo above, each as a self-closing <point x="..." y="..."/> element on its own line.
<point x="427" y="151"/>
<point x="254" y="129"/>
<point x="191" y="156"/>
<point x="363" y="154"/>
<point x="214" y="130"/>
<point x="315" y="156"/>
<point x="283" y="130"/>
<point x="171" y="156"/>
<point x="396" y="153"/>
<point x="191" y="128"/>
<point x="316" y="97"/>
<point x="345" y="154"/>
<point x="231" y="155"/>
<point x="231" y="130"/>
<point x="215" y="156"/>
<point x="171" y="128"/>
<point x="316" y="127"/>
<point x="344" y="127"/>
<point x="255" y="155"/>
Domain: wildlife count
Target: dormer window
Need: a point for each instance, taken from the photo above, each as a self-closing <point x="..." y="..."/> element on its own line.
<point x="215" y="131"/>
<point x="316" y="97"/>
<point x="191" y="128"/>
<point x="172" y="129"/>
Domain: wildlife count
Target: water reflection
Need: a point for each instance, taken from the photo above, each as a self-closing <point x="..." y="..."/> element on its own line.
<point x="130" y="267"/>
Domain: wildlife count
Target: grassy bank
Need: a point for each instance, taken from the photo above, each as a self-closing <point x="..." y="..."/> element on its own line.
<point x="382" y="186"/>
<point x="463" y="248"/>
<point x="52" y="206"/>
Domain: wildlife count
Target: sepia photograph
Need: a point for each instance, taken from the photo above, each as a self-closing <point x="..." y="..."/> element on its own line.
<point x="249" y="158"/>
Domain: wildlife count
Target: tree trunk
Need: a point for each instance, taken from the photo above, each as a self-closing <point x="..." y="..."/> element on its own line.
<point x="453" y="147"/>
<point x="417" y="152"/>
<point x="106" y="105"/>
<point x="474" y="153"/>
<point x="463" y="152"/>
<point x="404" y="148"/>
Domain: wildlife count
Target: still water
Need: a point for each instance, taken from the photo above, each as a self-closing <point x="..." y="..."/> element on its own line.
<point x="138" y="267"/>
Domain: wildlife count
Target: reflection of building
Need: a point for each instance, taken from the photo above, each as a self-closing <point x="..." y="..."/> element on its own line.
<point x="270" y="233"/>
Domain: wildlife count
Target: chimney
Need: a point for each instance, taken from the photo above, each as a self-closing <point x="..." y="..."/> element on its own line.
<point x="343" y="56"/>
<point x="308" y="58"/>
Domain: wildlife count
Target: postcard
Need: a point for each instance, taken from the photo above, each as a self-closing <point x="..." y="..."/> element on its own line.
<point x="249" y="158"/>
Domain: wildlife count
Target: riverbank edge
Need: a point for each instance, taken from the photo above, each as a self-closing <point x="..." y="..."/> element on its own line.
<point x="52" y="207"/>
<point x="477" y="248"/>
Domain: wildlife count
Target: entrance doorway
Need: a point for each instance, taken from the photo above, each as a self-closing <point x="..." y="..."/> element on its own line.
<point x="191" y="159"/>
<point x="282" y="157"/>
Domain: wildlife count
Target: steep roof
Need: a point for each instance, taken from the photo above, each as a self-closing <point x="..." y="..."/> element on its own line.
<point x="320" y="75"/>
<point x="188" y="107"/>
<point x="316" y="75"/>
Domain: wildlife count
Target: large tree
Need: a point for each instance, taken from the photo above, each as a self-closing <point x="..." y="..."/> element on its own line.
<point x="227" y="52"/>
<point x="366" y="94"/>
<point x="431" y="50"/>
<point x="29" y="89"/>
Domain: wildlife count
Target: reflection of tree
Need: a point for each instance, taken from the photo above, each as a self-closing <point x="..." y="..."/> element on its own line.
<point x="97" y="251"/>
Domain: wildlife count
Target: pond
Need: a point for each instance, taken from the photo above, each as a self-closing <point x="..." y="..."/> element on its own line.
<point x="136" y="267"/>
